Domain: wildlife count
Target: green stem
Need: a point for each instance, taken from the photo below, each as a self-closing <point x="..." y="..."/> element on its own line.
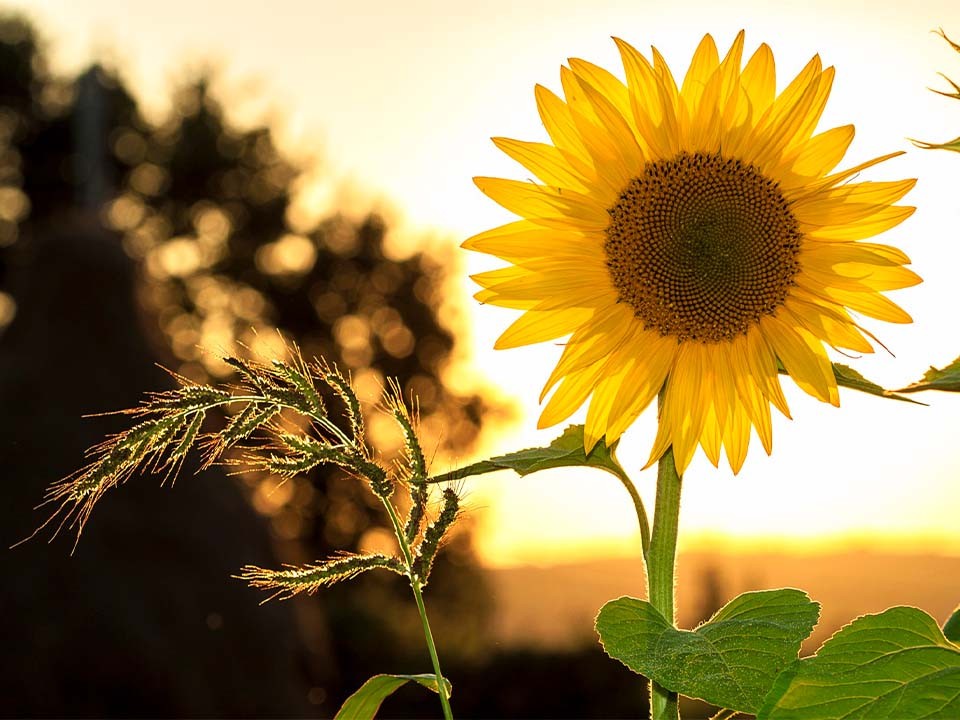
<point x="641" y="516"/>
<point x="661" y="564"/>
<point x="421" y="608"/>
<point x="441" y="684"/>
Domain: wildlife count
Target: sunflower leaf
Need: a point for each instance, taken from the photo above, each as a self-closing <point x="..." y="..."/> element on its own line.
<point x="849" y="378"/>
<point x="365" y="702"/>
<point x="565" y="451"/>
<point x="731" y="660"/>
<point x="953" y="145"/>
<point x="951" y="628"/>
<point x="896" y="665"/>
<point x="954" y="45"/>
<point x="946" y="379"/>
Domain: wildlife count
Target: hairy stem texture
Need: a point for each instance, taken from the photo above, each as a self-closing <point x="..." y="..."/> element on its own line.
<point x="661" y="567"/>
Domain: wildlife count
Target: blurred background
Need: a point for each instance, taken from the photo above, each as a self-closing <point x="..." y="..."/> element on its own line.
<point x="182" y="179"/>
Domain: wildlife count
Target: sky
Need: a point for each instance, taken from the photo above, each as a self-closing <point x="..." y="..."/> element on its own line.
<point x="399" y="100"/>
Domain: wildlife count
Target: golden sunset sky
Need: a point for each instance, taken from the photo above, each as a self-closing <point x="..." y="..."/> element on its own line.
<point x="398" y="100"/>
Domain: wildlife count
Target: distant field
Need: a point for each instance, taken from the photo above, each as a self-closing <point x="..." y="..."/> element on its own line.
<point x="555" y="606"/>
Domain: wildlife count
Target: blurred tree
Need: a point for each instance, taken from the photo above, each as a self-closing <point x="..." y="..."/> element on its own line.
<point x="142" y="621"/>
<point x="204" y="209"/>
<point x="207" y="209"/>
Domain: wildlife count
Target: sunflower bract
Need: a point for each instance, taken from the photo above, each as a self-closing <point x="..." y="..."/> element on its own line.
<point x="686" y="238"/>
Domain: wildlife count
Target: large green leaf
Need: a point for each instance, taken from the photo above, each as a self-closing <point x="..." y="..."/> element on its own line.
<point x="951" y="629"/>
<point x="566" y="451"/>
<point x="732" y="660"/>
<point x="893" y="666"/>
<point x="365" y="702"/>
<point x="946" y="379"/>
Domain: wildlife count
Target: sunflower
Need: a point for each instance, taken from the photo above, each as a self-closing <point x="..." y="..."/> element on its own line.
<point x="694" y="240"/>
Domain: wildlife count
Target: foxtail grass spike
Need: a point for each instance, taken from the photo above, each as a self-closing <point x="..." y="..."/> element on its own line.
<point x="416" y="462"/>
<point x="341" y="386"/>
<point x="313" y="403"/>
<point x="434" y="534"/>
<point x="418" y="504"/>
<point x="309" y="578"/>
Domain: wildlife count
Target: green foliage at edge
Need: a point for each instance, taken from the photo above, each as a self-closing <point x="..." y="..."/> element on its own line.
<point x="732" y="660"/>
<point x="565" y="451"/>
<point x="365" y="702"/>
<point x="946" y="379"/>
<point x="954" y="144"/>
<point x="849" y="378"/>
<point x="951" y="628"/>
<point x="896" y="665"/>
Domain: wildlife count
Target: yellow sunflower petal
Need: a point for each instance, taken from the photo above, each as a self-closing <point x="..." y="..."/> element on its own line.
<point x="536" y="326"/>
<point x="874" y="224"/>
<point x="858" y="276"/>
<point x="523" y="240"/>
<point x="712" y="437"/>
<point x="537" y="286"/>
<point x="705" y="131"/>
<point x="740" y="404"/>
<point x="654" y="110"/>
<point x="612" y="167"/>
<point x="757" y="409"/>
<point x="604" y="396"/>
<point x="784" y="118"/>
<point x="812" y="114"/>
<point x="803" y="357"/>
<point x="705" y="62"/>
<point x="729" y="69"/>
<point x="859" y="252"/>
<point x="547" y="162"/>
<point x="653" y="357"/>
<point x="820" y="155"/>
<point x="624" y="142"/>
<point x="605" y="82"/>
<point x="827" y="326"/>
<point x="868" y="303"/>
<point x="736" y="438"/>
<point x="591" y="343"/>
<point x="752" y="351"/>
<point x="759" y="79"/>
<point x="844" y="175"/>
<point x="556" y="118"/>
<point x="849" y="203"/>
<point x="666" y="78"/>
<point x="686" y="402"/>
<point x="570" y="395"/>
<point x="545" y="205"/>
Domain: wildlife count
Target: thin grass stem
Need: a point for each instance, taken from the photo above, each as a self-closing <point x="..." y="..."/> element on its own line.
<point x="421" y="608"/>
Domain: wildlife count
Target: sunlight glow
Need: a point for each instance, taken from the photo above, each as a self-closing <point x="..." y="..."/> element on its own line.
<point x="404" y="97"/>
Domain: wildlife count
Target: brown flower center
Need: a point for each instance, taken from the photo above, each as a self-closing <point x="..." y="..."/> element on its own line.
<point x="702" y="247"/>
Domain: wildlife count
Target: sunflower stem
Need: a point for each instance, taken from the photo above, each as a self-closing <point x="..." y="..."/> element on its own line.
<point x="661" y="568"/>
